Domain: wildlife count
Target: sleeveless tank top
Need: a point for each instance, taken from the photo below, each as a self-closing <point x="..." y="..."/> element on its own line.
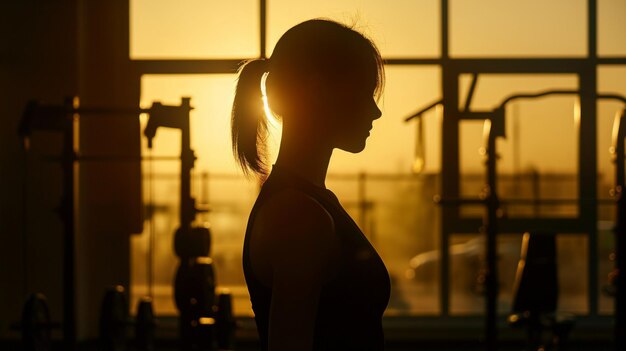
<point x="351" y="305"/>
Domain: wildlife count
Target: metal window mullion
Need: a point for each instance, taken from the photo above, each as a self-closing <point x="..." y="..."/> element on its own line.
<point x="588" y="153"/>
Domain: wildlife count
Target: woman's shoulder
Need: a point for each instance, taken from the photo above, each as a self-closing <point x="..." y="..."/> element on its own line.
<point x="295" y="230"/>
<point x="293" y="207"/>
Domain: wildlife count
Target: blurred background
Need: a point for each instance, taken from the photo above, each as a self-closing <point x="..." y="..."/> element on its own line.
<point x="130" y="53"/>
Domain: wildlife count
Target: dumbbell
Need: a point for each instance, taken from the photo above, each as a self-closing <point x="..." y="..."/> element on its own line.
<point x="36" y="324"/>
<point x="115" y="321"/>
<point x="225" y="321"/>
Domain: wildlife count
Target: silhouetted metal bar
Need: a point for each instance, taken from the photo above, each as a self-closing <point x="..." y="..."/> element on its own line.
<point x="592" y="29"/>
<point x="612" y="97"/>
<point x="611" y="61"/>
<point x="474" y="115"/>
<point x="471" y="63"/>
<point x="494" y="128"/>
<point x="470" y="93"/>
<point x="463" y="65"/>
<point x="187" y="66"/>
<point x="421" y="111"/>
<point x="588" y="174"/>
<point x="587" y="146"/>
<point x="435" y="61"/>
<point x="618" y="153"/>
<point x="177" y="117"/>
<point x="520" y="225"/>
<point x="449" y="155"/>
<point x="538" y="95"/>
<point x="67" y="213"/>
<point x="519" y="201"/>
<point x="263" y="27"/>
<point x="445" y="42"/>
<point x="56" y="118"/>
<point x="517" y="65"/>
<point x="560" y="92"/>
<point x="466" y="114"/>
<point x="124" y="158"/>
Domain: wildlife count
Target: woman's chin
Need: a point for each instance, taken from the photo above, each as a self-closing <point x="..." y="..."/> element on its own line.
<point x="354" y="148"/>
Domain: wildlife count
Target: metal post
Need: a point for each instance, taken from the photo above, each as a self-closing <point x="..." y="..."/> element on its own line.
<point x="494" y="128"/>
<point x="587" y="146"/>
<point x="66" y="212"/>
<point x="187" y="206"/>
<point x="617" y="149"/>
<point x="263" y="28"/>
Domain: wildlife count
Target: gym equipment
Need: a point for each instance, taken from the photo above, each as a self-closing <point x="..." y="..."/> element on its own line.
<point x="617" y="276"/>
<point x="114" y="320"/>
<point x="36" y="324"/>
<point x="453" y="69"/>
<point x="60" y="118"/>
<point x="535" y="293"/>
<point x="194" y="284"/>
<point x="494" y="127"/>
<point x="55" y="118"/>
<point x="225" y="321"/>
<point x="145" y="325"/>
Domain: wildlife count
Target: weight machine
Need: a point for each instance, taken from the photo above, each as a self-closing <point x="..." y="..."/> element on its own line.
<point x="585" y="68"/>
<point x="494" y="128"/>
<point x="195" y="279"/>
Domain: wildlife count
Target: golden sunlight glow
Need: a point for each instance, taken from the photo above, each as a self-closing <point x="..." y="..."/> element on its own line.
<point x="419" y="162"/>
<point x="484" y="150"/>
<point x="540" y="134"/>
<point x="206" y="321"/>
<point x="143" y="119"/>
<point x="615" y="135"/>
<point x="439" y="113"/>
<point x="271" y="118"/>
<point x="577" y="112"/>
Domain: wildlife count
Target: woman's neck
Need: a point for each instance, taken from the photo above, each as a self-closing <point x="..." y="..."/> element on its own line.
<point x="305" y="155"/>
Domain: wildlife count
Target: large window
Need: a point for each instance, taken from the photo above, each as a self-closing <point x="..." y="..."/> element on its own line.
<point x="392" y="204"/>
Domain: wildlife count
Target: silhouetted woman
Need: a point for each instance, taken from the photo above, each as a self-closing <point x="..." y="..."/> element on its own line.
<point x="315" y="281"/>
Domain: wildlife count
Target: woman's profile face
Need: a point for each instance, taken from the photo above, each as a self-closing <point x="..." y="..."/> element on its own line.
<point x="351" y="110"/>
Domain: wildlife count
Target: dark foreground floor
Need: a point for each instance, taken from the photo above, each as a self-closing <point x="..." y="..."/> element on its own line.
<point x="442" y="345"/>
<point x="425" y="337"/>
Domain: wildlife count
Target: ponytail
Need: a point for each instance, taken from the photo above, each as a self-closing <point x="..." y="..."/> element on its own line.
<point x="248" y="120"/>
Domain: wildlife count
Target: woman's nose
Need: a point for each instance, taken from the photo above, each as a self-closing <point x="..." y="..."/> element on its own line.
<point x="377" y="112"/>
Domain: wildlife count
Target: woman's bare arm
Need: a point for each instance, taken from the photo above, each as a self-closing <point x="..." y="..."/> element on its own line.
<point x="301" y="247"/>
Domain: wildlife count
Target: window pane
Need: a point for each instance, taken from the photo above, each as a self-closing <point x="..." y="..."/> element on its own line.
<point x="161" y="29"/>
<point x="518" y="28"/>
<point x="530" y="164"/>
<point x="403" y="223"/>
<point x="467" y="294"/>
<point x="611" y="28"/>
<point x="467" y="265"/>
<point x="573" y="269"/>
<point x="472" y="178"/>
<point x="401" y="28"/>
